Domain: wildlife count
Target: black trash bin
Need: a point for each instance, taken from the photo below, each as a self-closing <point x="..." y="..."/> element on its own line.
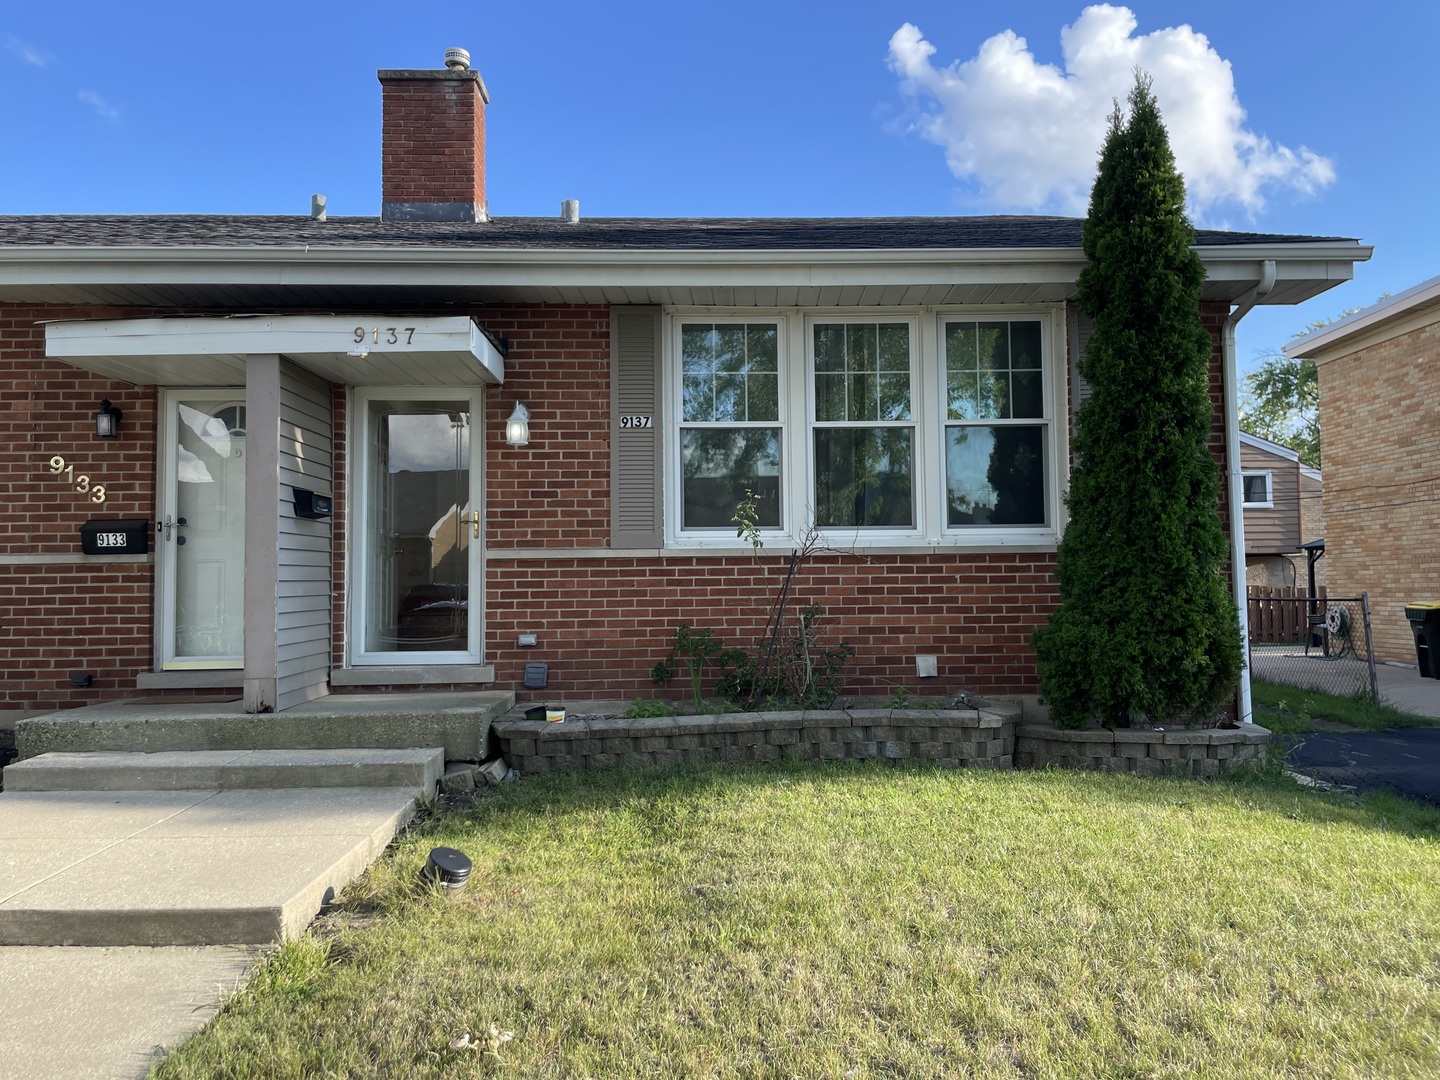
<point x="1425" y="622"/>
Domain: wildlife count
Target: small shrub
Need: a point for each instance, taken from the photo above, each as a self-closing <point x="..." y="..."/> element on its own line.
<point x="645" y="708"/>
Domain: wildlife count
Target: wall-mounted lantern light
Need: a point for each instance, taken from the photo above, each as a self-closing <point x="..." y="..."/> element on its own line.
<point x="107" y="420"/>
<point x="517" y="428"/>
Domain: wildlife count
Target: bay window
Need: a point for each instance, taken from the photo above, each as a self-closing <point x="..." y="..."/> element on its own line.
<point x="879" y="428"/>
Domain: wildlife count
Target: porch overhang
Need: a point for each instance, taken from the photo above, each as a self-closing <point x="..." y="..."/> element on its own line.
<point x="358" y="350"/>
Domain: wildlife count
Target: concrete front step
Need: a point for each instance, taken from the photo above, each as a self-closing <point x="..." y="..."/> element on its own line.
<point x="183" y="867"/>
<point x="414" y="770"/>
<point x="458" y="721"/>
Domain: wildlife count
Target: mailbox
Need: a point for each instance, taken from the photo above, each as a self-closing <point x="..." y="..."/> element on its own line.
<point x="125" y="537"/>
<point x="310" y="505"/>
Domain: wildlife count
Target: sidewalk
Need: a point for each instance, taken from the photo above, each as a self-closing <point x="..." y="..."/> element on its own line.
<point x="1404" y="688"/>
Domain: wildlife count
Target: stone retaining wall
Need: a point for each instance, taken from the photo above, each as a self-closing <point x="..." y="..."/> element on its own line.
<point x="1145" y="751"/>
<point x="973" y="738"/>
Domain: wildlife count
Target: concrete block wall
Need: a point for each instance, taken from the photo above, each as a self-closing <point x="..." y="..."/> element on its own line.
<point x="1145" y="752"/>
<point x="1380" y="415"/>
<point x="956" y="738"/>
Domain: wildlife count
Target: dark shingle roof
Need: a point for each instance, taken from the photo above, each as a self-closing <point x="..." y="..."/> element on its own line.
<point x="635" y="234"/>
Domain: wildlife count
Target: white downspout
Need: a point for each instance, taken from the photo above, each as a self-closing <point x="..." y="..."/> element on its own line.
<point x="1237" y="482"/>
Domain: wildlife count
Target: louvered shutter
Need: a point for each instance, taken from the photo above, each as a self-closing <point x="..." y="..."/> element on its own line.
<point x="637" y="504"/>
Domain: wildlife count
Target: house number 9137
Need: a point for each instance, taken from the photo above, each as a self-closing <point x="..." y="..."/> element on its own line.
<point x="635" y="421"/>
<point x="81" y="482"/>
<point x="389" y="335"/>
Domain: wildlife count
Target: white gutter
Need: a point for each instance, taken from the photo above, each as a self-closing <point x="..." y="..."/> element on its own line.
<point x="1237" y="484"/>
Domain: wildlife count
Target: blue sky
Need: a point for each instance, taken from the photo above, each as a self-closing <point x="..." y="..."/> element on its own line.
<point x="1312" y="118"/>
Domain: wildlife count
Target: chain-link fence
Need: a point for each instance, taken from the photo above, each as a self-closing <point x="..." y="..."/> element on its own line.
<point x="1312" y="642"/>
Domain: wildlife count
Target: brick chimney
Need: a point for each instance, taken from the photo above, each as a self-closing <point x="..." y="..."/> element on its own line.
<point x="432" y="157"/>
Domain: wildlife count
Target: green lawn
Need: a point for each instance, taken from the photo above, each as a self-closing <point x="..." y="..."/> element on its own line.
<point x="1292" y="711"/>
<point x="862" y="921"/>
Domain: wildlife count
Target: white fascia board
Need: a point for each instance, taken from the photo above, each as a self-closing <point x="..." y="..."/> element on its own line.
<point x="1330" y="261"/>
<point x="1328" y="338"/>
<point x="328" y="338"/>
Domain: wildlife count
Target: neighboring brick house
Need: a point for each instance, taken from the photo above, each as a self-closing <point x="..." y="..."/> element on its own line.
<point x="1379" y="374"/>
<point x="1281" y="503"/>
<point x="905" y="383"/>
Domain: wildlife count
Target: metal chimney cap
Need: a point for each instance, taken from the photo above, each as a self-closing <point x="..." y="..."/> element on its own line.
<point x="457" y="59"/>
<point x="570" y="210"/>
<point x="317" y="207"/>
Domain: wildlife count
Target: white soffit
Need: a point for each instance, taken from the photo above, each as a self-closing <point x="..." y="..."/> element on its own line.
<point x="368" y="350"/>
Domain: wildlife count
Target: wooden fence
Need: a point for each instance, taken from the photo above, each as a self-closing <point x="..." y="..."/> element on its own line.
<point x="1282" y="613"/>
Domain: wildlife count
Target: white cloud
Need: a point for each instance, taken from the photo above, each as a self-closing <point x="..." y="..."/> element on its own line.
<point x="26" y="52"/>
<point x="102" y="108"/>
<point x="1029" y="134"/>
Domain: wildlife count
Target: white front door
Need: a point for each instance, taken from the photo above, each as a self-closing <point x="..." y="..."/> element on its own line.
<point x="201" y="537"/>
<point x="416" y="563"/>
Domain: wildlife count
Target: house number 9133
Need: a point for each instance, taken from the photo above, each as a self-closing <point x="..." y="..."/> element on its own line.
<point x="82" y="482"/>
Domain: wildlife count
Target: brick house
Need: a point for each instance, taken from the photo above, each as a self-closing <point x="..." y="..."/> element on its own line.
<point x="1379" y="376"/>
<point x="323" y="434"/>
<point x="1280" y="501"/>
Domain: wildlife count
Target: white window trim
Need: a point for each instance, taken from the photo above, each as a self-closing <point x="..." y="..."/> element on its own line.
<point x="1269" y="503"/>
<point x="928" y="420"/>
<point x="356" y="481"/>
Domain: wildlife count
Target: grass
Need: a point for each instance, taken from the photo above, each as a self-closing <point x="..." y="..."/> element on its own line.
<point x="1287" y="710"/>
<point x="807" y="920"/>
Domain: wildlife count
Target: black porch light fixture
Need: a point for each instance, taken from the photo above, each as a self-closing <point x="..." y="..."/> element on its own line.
<point x="107" y="420"/>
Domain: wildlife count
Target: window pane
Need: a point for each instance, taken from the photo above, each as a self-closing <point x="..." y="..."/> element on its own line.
<point x="894" y="342"/>
<point x="762" y="348"/>
<point x="1257" y="489"/>
<point x="719" y="466"/>
<point x="1025" y="346"/>
<point x="730" y="348"/>
<point x="995" y="475"/>
<point x="863" y="351"/>
<point x="1006" y="361"/>
<point x="1027" y="398"/>
<point x="830" y="350"/>
<point x="862" y="477"/>
<point x="718" y="363"/>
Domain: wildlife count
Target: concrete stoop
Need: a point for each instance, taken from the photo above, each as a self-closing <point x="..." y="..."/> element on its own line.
<point x="194" y="848"/>
<point x="227" y="770"/>
<point x="457" y="721"/>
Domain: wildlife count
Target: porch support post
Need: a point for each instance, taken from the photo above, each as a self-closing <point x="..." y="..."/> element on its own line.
<point x="262" y="530"/>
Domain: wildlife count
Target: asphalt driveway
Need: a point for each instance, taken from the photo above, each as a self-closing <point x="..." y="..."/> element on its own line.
<point x="1405" y="760"/>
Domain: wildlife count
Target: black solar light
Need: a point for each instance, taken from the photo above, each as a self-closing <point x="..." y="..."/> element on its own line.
<point x="448" y="868"/>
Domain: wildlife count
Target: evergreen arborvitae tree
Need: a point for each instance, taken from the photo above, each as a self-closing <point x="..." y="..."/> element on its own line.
<point x="1145" y="627"/>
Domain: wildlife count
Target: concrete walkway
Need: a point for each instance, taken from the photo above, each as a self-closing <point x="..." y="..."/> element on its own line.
<point x="107" y="1014"/>
<point x="1403" y="688"/>
<point x="132" y="899"/>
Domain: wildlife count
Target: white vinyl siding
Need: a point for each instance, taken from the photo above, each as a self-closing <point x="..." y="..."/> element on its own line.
<point x="302" y="599"/>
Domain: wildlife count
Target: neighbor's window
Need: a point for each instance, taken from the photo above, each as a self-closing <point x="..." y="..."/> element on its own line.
<point x="996" y="430"/>
<point x="1257" y="490"/>
<point x="730" y="427"/>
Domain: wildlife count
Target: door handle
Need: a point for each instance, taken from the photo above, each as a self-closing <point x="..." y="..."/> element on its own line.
<point x="475" y="523"/>
<point x="170" y="524"/>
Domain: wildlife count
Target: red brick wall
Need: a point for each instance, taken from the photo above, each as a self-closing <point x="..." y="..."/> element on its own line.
<point x="555" y="492"/>
<point x="57" y="618"/>
<point x="602" y="624"/>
